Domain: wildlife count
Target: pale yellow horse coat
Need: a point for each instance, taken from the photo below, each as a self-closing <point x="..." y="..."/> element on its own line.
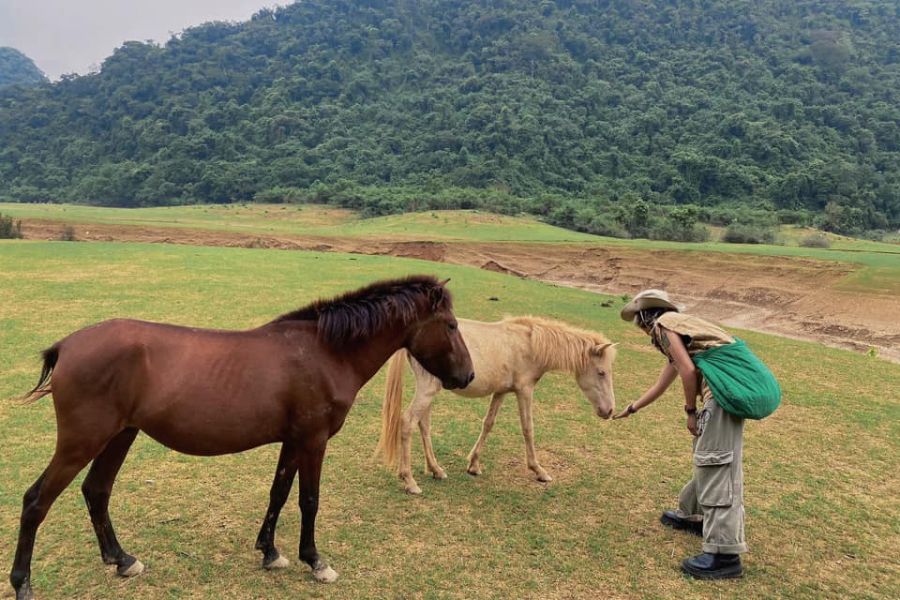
<point x="509" y="356"/>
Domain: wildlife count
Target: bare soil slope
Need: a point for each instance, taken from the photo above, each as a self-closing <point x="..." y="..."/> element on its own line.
<point x="794" y="297"/>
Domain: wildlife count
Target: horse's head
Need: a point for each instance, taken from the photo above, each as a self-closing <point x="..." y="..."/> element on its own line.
<point x="596" y="379"/>
<point x="437" y="344"/>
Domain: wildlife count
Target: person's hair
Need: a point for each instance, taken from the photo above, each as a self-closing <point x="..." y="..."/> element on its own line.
<point x="646" y="319"/>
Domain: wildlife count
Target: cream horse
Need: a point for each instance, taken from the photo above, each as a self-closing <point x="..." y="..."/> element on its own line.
<point x="509" y="356"/>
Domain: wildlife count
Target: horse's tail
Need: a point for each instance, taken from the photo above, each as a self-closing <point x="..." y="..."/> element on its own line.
<point x="44" y="387"/>
<point x="389" y="443"/>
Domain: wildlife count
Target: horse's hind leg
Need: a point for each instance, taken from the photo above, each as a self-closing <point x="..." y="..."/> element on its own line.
<point x="97" y="488"/>
<point x="427" y="386"/>
<point x="67" y="461"/>
<point x="278" y="495"/>
<point x="474" y="467"/>
<point x="310" y="473"/>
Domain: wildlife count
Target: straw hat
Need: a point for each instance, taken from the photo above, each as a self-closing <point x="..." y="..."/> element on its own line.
<point x="648" y="299"/>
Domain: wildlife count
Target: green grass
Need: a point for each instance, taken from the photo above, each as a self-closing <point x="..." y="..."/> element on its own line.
<point x="878" y="269"/>
<point x="460" y="225"/>
<point x="308" y="220"/>
<point x="821" y="492"/>
<point x="791" y="235"/>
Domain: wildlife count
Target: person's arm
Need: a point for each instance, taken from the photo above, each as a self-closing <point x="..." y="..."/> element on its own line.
<point x="689" y="374"/>
<point x="666" y="377"/>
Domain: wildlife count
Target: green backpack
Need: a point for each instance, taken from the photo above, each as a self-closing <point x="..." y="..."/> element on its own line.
<point x="741" y="384"/>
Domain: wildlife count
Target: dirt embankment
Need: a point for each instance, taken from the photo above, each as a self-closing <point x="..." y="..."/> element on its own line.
<point x="793" y="297"/>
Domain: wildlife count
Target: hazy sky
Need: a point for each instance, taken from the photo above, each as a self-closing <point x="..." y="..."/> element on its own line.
<point x="71" y="36"/>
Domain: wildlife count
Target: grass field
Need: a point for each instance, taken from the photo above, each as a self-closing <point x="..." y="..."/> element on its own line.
<point x="460" y="225"/>
<point x="879" y="272"/>
<point x="822" y="494"/>
<point x="309" y="220"/>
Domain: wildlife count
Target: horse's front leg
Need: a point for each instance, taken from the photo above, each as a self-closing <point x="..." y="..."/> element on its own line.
<point x="431" y="461"/>
<point x="525" y="399"/>
<point x="310" y="472"/>
<point x="281" y="489"/>
<point x="474" y="467"/>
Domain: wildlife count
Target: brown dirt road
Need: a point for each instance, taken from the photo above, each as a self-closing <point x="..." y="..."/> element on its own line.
<point x="792" y="297"/>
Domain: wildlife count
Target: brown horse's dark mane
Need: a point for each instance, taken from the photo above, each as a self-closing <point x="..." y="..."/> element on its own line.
<point x="362" y="313"/>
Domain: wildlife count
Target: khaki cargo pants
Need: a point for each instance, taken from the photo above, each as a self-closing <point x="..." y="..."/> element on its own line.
<point x="716" y="493"/>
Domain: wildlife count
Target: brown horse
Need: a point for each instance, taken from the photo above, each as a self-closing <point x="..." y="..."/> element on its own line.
<point x="207" y="392"/>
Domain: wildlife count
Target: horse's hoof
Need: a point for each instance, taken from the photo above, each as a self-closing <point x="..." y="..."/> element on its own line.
<point x="325" y="574"/>
<point x="439" y="474"/>
<point x="544" y="478"/>
<point x="474" y="471"/>
<point x="279" y="563"/>
<point x="130" y="570"/>
<point x="413" y="489"/>
<point x="24" y="592"/>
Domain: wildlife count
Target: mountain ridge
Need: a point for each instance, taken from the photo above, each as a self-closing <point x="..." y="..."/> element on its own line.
<point x="17" y="69"/>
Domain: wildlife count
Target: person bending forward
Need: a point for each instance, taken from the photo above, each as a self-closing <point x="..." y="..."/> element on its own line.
<point x="711" y="504"/>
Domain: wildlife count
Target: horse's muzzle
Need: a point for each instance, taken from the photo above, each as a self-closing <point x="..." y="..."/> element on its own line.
<point x="458" y="383"/>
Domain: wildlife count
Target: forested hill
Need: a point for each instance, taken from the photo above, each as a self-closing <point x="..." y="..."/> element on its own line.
<point x="567" y="105"/>
<point x="16" y="68"/>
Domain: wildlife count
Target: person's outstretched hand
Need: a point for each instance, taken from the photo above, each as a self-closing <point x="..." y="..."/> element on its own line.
<point x="627" y="412"/>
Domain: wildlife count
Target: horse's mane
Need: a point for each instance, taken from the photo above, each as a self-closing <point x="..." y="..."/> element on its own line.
<point x="358" y="315"/>
<point x="559" y="345"/>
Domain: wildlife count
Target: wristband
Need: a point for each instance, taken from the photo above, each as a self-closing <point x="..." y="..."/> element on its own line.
<point x="690" y="410"/>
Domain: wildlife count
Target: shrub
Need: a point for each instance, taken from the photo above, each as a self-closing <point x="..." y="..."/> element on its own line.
<point x="698" y="233"/>
<point x="721" y="216"/>
<point x="840" y="218"/>
<point x="879" y="235"/>
<point x="603" y="225"/>
<point x="279" y="195"/>
<point x="9" y="229"/>
<point x="674" y="231"/>
<point x="563" y="216"/>
<point x="816" y="240"/>
<point x="794" y="217"/>
<point x="739" y="233"/>
<point x="729" y="214"/>
<point x="890" y="237"/>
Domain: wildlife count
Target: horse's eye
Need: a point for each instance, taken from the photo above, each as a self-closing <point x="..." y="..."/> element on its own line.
<point x="452" y="326"/>
<point x="601" y="373"/>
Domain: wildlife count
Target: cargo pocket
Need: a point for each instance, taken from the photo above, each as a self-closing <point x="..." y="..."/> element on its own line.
<point x="714" y="479"/>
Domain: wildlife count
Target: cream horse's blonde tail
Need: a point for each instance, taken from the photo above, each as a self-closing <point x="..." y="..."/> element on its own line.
<point x="391" y="410"/>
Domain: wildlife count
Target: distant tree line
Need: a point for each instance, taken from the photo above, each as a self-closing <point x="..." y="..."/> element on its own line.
<point x="624" y="117"/>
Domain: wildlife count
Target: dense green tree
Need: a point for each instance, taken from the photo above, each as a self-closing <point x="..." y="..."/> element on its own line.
<point x="574" y="110"/>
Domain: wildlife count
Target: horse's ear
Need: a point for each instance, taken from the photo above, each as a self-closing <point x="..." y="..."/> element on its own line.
<point x="444" y="282"/>
<point x="599" y="349"/>
<point x="438" y="296"/>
